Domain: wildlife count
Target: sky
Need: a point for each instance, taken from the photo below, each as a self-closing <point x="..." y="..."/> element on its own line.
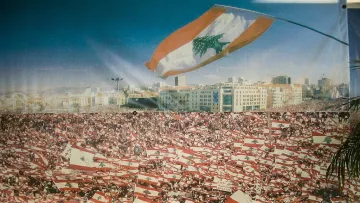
<point x="47" y="44"/>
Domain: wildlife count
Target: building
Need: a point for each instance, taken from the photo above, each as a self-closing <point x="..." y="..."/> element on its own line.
<point x="281" y="80"/>
<point x="232" y="80"/>
<point x="343" y="90"/>
<point x="224" y="97"/>
<point x="175" y="98"/>
<point x="280" y="95"/>
<point x="180" y="81"/>
<point x="158" y="85"/>
<point x="307" y="81"/>
<point x="324" y="84"/>
<point x="307" y="91"/>
<point x="143" y="103"/>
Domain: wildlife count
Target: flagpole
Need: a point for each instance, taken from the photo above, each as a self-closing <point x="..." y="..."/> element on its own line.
<point x="289" y="21"/>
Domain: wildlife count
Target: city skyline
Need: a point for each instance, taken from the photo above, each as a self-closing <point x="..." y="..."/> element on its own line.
<point x="59" y="51"/>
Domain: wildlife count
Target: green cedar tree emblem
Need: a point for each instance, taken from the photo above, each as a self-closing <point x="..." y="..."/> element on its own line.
<point x="201" y="44"/>
<point x="327" y="140"/>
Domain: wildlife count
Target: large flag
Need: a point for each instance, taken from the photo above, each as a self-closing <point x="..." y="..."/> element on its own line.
<point x="216" y="33"/>
<point x="82" y="159"/>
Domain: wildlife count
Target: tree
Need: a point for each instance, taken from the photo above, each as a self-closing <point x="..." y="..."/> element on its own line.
<point x="345" y="163"/>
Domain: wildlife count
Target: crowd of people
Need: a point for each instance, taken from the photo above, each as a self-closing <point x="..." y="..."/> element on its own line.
<point x="168" y="157"/>
<point x="314" y="106"/>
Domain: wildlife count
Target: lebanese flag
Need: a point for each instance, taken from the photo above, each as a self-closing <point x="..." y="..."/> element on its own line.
<point x="186" y="153"/>
<point x="238" y="144"/>
<point x="239" y="197"/>
<point x="320" y="138"/>
<point x="243" y="157"/>
<point x="157" y="152"/>
<point x="129" y="163"/>
<point x="201" y="149"/>
<point x="148" y="179"/>
<point x="218" y="32"/>
<point x="279" y="124"/>
<point x="61" y="185"/>
<point x="82" y="159"/>
<point x="99" y="197"/>
<point x="141" y="190"/>
<point x="100" y="157"/>
<point x="254" y="142"/>
<point x="172" y="176"/>
<point x="183" y="161"/>
<point x="104" y="166"/>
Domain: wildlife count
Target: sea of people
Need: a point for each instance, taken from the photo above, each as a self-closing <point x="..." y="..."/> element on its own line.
<point x="171" y="157"/>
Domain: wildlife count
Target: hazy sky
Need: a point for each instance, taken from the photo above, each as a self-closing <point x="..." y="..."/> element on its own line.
<point x="46" y="44"/>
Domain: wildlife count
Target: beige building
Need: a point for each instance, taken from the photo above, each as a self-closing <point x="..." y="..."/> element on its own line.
<point x="280" y="95"/>
<point x="180" y="81"/>
<point x="223" y="97"/>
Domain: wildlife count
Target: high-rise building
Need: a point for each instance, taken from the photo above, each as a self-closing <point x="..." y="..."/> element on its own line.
<point x="324" y="84"/>
<point x="307" y="81"/>
<point x="285" y="80"/>
<point x="180" y="81"/>
<point x="232" y="80"/>
<point x="280" y="95"/>
<point x="158" y="85"/>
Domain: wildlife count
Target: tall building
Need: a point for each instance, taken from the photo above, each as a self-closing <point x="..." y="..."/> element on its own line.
<point x="324" y="84"/>
<point x="232" y="80"/>
<point x="285" y="80"/>
<point x="343" y="89"/>
<point x="307" y="81"/>
<point x="180" y="81"/>
<point x="280" y="95"/>
<point x="158" y="85"/>
<point x="241" y="80"/>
